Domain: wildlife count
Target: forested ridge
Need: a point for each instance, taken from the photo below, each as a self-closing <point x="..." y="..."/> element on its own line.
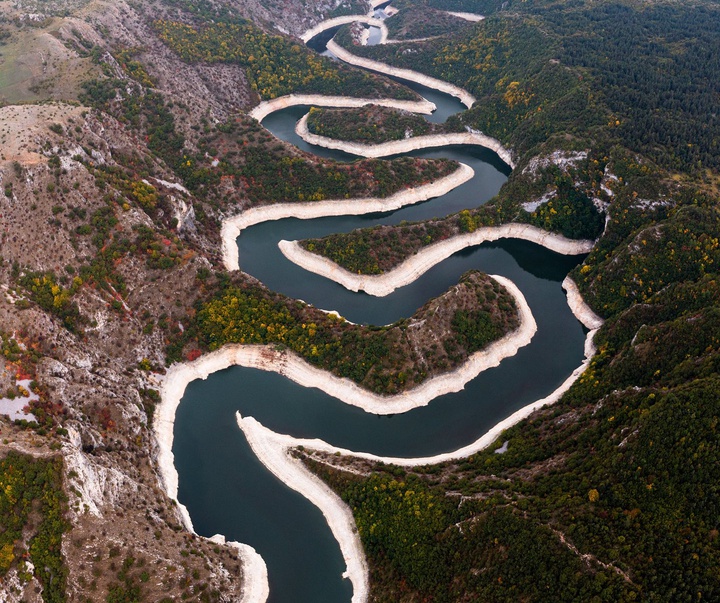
<point x="369" y="125"/>
<point x="641" y="75"/>
<point x="428" y="22"/>
<point x="386" y="360"/>
<point x="610" y="494"/>
<point x="379" y="249"/>
<point x="624" y="468"/>
<point x="610" y="109"/>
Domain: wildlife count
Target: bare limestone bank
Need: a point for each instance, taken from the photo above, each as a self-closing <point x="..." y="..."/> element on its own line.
<point x="232" y="227"/>
<point x="427" y="257"/>
<point x="463" y="95"/>
<point x="413" y="143"/>
<point x="266" y="107"/>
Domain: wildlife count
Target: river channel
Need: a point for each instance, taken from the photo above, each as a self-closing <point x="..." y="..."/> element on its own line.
<point x="228" y="491"/>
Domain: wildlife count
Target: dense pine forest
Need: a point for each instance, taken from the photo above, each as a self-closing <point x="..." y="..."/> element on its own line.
<point x="541" y="68"/>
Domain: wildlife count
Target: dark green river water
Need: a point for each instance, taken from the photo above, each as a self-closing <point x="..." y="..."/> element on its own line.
<point x="224" y="486"/>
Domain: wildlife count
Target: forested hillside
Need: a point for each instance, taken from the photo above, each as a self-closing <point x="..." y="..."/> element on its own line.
<point x="124" y="144"/>
<point x="611" y="494"/>
<point x="384" y="360"/>
<point x="640" y="75"/>
<point x="119" y="158"/>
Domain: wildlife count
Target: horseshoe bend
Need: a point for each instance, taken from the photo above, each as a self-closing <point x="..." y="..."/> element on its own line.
<point x="354" y="301"/>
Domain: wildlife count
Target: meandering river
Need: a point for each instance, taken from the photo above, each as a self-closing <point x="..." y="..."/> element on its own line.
<point x="227" y="490"/>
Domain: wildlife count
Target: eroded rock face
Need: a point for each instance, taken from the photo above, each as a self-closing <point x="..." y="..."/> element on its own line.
<point x="295" y="17"/>
<point x="61" y="167"/>
<point x="101" y="376"/>
<point x="46" y="50"/>
<point x="89" y="376"/>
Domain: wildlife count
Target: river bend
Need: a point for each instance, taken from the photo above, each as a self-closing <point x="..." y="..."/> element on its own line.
<point x="223" y="485"/>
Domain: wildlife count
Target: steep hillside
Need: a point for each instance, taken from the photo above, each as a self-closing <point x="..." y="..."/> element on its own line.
<point x="609" y="495"/>
<point x="119" y="158"/>
<point x="124" y="144"/>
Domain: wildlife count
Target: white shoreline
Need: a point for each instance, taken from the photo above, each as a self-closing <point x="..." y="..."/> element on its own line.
<point x="292" y="366"/>
<point x="232" y="227"/>
<point x="344" y="20"/>
<point x="395" y="147"/>
<point x="272" y="449"/>
<point x="256" y="587"/>
<point x="338" y="515"/>
<point x="579" y="307"/>
<point x="467" y="16"/>
<point x="480" y="444"/>
<point x="265" y="108"/>
<point x="427" y="257"/>
<point x="289" y="365"/>
<point x="380" y="24"/>
<point x="465" y="97"/>
<point x="369" y="19"/>
<point x="255" y="584"/>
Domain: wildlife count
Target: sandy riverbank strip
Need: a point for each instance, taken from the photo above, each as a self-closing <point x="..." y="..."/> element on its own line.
<point x="232" y="227"/>
<point x="465" y="97"/>
<point x="265" y="108"/>
<point x="255" y="584"/>
<point x="272" y="449"/>
<point x="395" y="147"/>
<point x="579" y="307"/>
<point x="427" y="257"/>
